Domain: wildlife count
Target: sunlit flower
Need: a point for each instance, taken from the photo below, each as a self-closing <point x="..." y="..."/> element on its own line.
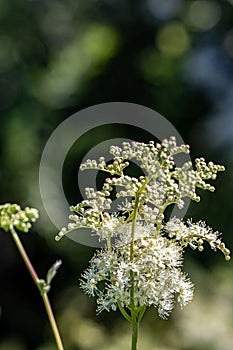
<point x="144" y="266"/>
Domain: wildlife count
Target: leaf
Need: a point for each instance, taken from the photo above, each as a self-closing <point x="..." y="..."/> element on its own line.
<point x="53" y="271"/>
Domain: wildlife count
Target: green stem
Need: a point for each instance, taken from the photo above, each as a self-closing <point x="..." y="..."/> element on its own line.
<point x="124" y="313"/>
<point x="37" y="281"/>
<point x="141" y="313"/>
<point x="52" y="321"/>
<point x="134" y="311"/>
<point x="134" y="334"/>
<point x="132" y="304"/>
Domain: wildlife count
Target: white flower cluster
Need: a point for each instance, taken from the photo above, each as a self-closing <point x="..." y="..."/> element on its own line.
<point x="157" y="274"/>
<point x="194" y="235"/>
<point x="143" y="268"/>
<point x="11" y="215"/>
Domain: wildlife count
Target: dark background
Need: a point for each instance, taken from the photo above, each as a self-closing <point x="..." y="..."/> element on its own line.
<point x="58" y="57"/>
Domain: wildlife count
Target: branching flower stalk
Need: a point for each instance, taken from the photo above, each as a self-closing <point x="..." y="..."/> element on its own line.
<point x="141" y="263"/>
<point x="11" y="217"/>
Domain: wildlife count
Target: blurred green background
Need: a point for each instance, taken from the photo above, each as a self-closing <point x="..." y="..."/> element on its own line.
<point x="58" y="57"/>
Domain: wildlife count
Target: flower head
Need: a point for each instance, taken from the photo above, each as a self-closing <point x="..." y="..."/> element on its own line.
<point x="158" y="278"/>
<point x="144" y="266"/>
<point x="11" y="215"/>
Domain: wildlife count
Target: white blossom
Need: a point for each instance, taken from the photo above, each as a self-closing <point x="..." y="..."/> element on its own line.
<point x="144" y="267"/>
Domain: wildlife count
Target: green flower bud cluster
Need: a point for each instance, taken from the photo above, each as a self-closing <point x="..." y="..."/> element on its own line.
<point x="11" y="215"/>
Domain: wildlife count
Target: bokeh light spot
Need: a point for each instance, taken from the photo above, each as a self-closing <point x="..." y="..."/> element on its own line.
<point x="203" y="15"/>
<point x="173" y="39"/>
<point x="75" y="65"/>
<point x="156" y="67"/>
<point x="164" y="9"/>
